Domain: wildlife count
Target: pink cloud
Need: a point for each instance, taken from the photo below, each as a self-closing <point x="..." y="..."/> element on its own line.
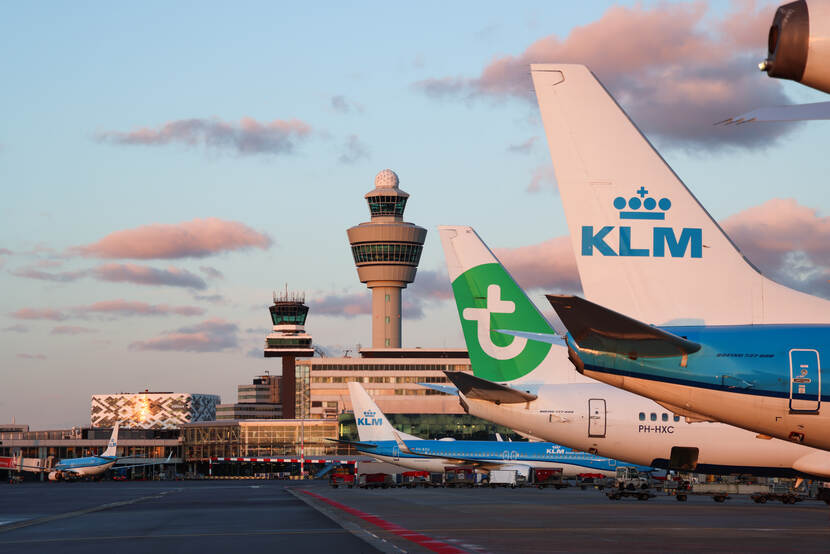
<point x="5" y="252"/>
<point x="142" y="275"/>
<point x="35" y="313"/>
<point x="343" y="305"/>
<point x="673" y="67"/>
<point x="16" y="329"/>
<point x="191" y="239"/>
<point x="213" y="335"/>
<point x="543" y="175"/>
<point x="59" y="277"/>
<point x="248" y="136"/>
<point x="72" y="330"/>
<point x="126" y="308"/>
<point x="550" y="265"/>
<point x="787" y="241"/>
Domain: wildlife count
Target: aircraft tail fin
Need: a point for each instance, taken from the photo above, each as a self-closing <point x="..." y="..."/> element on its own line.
<point x="644" y="245"/>
<point x="112" y="445"/>
<point x="372" y="424"/>
<point x="488" y="298"/>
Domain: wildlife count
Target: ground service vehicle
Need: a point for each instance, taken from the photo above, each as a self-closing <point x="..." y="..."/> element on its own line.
<point x="549" y="478"/>
<point x="460" y="476"/>
<point x="376" y="481"/>
<point x="628" y="478"/>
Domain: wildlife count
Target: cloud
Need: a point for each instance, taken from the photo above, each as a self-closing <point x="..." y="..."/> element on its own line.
<point x="191" y="239"/>
<point x="788" y="242"/>
<point x="255" y="352"/>
<point x="212" y="298"/>
<point x="127" y="309"/>
<point x="71" y="330"/>
<point x="213" y="335"/>
<point x="342" y="305"/>
<point x="32" y="356"/>
<point x="353" y="151"/>
<point x="5" y="252"/>
<point x="674" y="67"/>
<point x="524" y="147"/>
<point x="431" y="284"/>
<point x="550" y="265"/>
<point x="142" y="275"/>
<point x="60" y="277"/>
<point x="247" y="137"/>
<point x="340" y="104"/>
<point x="16" y="329"/>
<point x="211" y="272"/>
<point x="35" y="313"/>
<point x="542" y="175"/>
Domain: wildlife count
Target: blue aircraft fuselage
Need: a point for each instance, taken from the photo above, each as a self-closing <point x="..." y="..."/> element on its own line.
<point x="497" y="451"/>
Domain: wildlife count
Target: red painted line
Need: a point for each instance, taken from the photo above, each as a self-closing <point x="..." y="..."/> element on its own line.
<point x="417" y="538"/>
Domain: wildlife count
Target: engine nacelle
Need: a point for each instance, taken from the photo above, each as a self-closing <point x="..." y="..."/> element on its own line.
<point x="799" y="44"/>
<point x="55" y="476"/>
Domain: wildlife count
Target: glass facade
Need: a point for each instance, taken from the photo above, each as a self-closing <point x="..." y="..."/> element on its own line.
<point x="262" y="440"/>
<point x="400" y="252"/>
<point x="434" y="426"/>
<point x="290" y="313"/>
<point x="387" y="205"/>
<point x="288" y="342"/>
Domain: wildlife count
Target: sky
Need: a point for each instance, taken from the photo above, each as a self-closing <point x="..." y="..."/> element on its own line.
<point x="165" y="166"/>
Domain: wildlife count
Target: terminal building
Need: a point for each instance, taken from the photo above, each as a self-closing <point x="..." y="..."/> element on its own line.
<point x="259" y="400"/>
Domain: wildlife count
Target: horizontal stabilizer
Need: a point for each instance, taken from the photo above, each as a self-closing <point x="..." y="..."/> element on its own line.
<point x="538" y="337"/>
<point x="356" y="444"/>
<point x="794" y="112"/>
<point x="482" y="389"/>
<point x="446" y="389"/>
<point x="596" y="328"/>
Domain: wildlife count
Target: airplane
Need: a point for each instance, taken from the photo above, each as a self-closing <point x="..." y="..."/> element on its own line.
<point x="383" y="442"/>
<point x="745" y="350"/>
<point x="88" y="466"/>
<point x="797" y="50"/>
<point x="533" y="388"/>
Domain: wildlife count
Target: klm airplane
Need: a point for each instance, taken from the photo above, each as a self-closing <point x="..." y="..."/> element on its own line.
<point x="88" y="466"/>
<point x="381" y="441"/>
<point x="676" y="312"/>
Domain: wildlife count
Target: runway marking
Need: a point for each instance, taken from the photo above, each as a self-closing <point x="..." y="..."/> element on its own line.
<point x="412" y="536"/>
<point x="76" y="513"/>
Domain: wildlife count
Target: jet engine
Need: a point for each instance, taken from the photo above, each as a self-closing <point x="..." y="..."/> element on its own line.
<point x="55" y="476"/>
<point x="799" y="44"/>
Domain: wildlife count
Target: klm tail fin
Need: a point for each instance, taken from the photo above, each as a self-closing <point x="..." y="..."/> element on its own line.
<point x="644" y="245"/>
<point x="372" y="425"/>
<point x="112" y="445"/>
<point x="489" y="299"/>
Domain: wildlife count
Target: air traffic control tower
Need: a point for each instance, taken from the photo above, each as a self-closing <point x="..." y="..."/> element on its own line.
<point x="289" y="341"/>
<point x="386" y="252"/>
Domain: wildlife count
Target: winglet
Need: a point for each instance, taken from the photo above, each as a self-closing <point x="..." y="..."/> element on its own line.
<point x="482" y="389"/>
<point x="597" y="328"/>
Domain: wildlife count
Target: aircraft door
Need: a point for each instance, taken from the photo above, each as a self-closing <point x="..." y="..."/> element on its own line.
<point x="805" y="380"/>
<point x="596" y="417"/>
<point x="396" y="453"/>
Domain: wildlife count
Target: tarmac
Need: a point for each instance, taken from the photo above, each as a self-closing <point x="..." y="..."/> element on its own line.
<point x="287" y="516"/>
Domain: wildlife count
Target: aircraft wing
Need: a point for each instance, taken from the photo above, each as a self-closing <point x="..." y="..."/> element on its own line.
<point x="165" y="461"/>
<point x="446" y="389"/>
<point x="793" y="112"/>
<point x="597" y="328"/>
<point x="482" y="389"/>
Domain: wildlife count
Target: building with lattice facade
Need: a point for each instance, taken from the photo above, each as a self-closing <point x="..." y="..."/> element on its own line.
<point x="152" y="410"/>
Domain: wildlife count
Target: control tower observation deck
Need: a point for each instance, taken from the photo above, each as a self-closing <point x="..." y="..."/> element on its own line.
<point x="386" y="252"/>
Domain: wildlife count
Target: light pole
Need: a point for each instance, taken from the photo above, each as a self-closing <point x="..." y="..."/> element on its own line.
<point x="302" y="429"/>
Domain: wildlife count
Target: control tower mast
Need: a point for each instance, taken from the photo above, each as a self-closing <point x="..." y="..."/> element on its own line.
<point x="386" y="252"/>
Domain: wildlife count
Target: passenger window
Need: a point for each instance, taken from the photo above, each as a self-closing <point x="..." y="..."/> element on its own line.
<point x="642" y="416"/>
<point x="653" y="416"/>
<point x="677" y="418"/>
<point x="665" y="417"/>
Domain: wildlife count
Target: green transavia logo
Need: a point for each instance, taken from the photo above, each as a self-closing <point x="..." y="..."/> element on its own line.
<point x="488" y="299"/>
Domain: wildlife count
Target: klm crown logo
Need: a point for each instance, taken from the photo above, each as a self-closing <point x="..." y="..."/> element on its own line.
<point x="369" y="418"/>
<point x="639" y="207"/>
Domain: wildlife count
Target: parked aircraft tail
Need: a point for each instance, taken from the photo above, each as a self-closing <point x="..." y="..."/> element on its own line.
<point x="372" y="424"/>
<point x="488" y="299"/>
<point x="112" y="445"/>
<point x="644" y="245"/>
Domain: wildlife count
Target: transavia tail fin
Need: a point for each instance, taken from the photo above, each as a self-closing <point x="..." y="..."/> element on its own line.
<point x="488" y="298"/>
<point x="644" y="245"/>
<point x="372" y="425"/>
<point x="112" y="445"/>
<point x="596" y="328"/>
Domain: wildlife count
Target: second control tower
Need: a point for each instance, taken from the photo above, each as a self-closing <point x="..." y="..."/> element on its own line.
<point x="386" y="252"/>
